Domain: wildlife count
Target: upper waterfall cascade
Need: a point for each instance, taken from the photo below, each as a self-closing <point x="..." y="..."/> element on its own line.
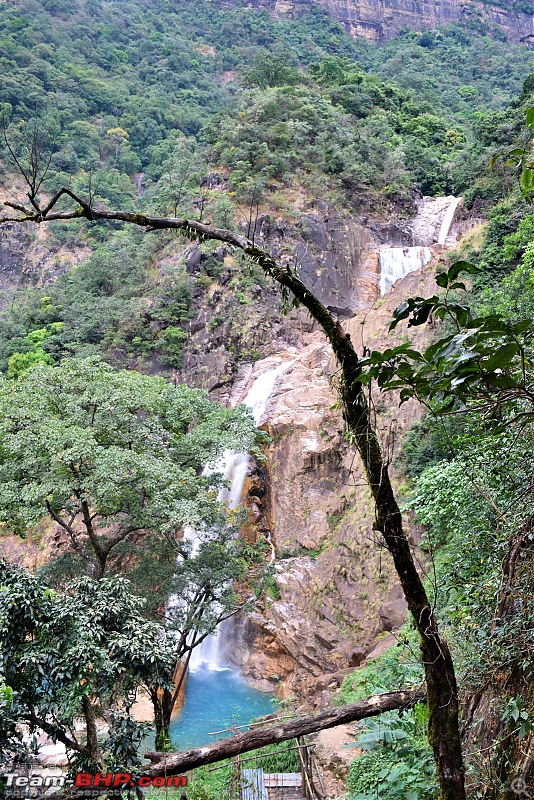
<point x="235" y="467"/>
<point x="433" y="220"/>
<point x="431" y="225"/>
<point x="447" y="220"/>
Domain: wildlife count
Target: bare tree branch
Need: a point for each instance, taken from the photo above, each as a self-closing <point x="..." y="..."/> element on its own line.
<point x="174" y="763"/>
<point x="442" y="689"/>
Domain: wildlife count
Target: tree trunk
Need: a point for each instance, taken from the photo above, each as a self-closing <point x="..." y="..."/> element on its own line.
<point x="163" y="705"/>
<point x="442" y="692"/>
<point x="93" y="749"/>
<point x="174" y="763"/>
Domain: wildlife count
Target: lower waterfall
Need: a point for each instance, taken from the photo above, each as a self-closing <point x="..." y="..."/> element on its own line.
<point x="215" y="692"/>
<point x="234" y="466"/>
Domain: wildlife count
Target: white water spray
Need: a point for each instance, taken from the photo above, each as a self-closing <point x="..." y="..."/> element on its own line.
<point x="235" y="467"/>
<point x="397" y="262"/>
<point x="447" y="220"/>
<point x="432" y="224"/>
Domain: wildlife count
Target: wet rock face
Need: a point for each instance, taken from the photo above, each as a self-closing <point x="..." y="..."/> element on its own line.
<point x="327" y="249"/>
<point x="383" y="20"/>
<point x="334" y="589"/>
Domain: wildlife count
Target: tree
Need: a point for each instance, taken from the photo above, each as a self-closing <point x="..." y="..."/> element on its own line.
<point x="114" y="458"/>
<point x="85" y="654"/>
<point x="521" y="157"/>
<point x="82" y="654"/>
<point x="171" y="764"/>
<point x="442" y="691"/>
<point x="272" y="69"/>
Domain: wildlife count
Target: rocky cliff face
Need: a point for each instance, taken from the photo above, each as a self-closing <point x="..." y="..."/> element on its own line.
<point x="29" y="257"/>
<point x="333" y="590"/>
<point x="336" y="590"/>
<point x="334" y="257"/>
<point x="380" y="20"/>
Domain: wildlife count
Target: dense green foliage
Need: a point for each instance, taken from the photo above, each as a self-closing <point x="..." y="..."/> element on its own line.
<point x="114" y="458"/>
<point x="64" y="653"/>
<point x="102" y="307"/>
<point x="118" y="85"/>
<point x="396" y="759"/>
<point x="137" y="102"/>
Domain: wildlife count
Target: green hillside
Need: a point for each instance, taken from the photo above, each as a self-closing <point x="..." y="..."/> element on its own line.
<point x="234" y="119"/>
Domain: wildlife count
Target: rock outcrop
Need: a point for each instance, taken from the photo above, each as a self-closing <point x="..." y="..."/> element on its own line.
<point x="29" y="257"/>
<point x="383" y="20"/>
<point x="335" y="589"/>
<point x="333" y="254"/>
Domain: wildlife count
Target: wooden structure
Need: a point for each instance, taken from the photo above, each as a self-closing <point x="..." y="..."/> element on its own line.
<point x="284" y="786"/>
<point x="256" y="784"/>
<point x="253" y="785"/>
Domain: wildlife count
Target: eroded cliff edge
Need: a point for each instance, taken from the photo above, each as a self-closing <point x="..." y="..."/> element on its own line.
<point x="382" y="20"/>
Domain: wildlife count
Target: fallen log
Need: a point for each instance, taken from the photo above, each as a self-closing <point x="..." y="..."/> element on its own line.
<point x="175" y="763"/>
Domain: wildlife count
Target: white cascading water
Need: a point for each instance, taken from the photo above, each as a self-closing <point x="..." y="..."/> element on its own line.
<point x="397" y="262"/>
<point x="234" y="466"/>
<point x="447" y="220"/>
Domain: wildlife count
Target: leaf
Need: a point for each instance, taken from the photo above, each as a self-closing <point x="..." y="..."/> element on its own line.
<point x="501" y="381"/>
<point x="461" y="313"/>
<point x="421" y="314"/>
<point x="442" y="279"/>
<point x="396" y="772"/>
<point x="530" y="117"/>
<point x="400" y="313"/>
<point x="524" y="730"/>
<point x="527" y="179"/>
<point x="522" y="326"/>
<point x="463" y="266"/>
<point x="502" y="357"/>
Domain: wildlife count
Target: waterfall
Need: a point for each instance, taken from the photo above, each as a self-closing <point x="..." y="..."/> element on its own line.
<point x="432" y="224"/>
<point x="235" y="467"/>
<point x="447" y="220"/>
<point x="396" y="262"/>
<point x="429" y="222"/>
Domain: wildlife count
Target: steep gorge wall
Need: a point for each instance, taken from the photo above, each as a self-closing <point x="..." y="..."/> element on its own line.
<point x="336" y="589"/>
<point x="380" y="20"/>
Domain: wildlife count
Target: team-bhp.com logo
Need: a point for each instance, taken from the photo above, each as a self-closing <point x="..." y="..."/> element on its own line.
<point x="84" y="780"/>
